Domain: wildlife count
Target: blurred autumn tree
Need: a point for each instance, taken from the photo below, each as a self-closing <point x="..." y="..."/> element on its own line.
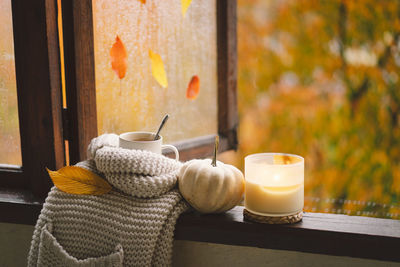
<point x="321" y="79"/>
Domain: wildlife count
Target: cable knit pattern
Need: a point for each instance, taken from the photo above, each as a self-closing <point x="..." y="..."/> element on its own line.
<point x="105" y="230"/>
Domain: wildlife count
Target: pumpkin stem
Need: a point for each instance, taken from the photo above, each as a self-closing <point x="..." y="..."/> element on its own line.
<point x="214" y="160"/>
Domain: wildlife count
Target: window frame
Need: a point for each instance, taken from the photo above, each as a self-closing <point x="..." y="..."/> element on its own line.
<point x="44" y="130"/>
<point x="40" y="124"/>
<point x="22" y="189"/>
<point x="319" y="233"/>
<point x="81" y="87"/>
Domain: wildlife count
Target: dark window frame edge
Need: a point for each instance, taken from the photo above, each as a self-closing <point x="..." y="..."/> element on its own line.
<point x="318" y="233"/>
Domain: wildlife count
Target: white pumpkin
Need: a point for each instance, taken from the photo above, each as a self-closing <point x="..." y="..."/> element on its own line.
<point x="209" y="188"/>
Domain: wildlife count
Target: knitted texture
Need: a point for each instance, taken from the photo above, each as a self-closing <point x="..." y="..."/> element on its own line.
<point x="52" y="254"/>
<point x="110" y="140"/>
<point x="137" y="173"/>
<point x="86" y="230"/>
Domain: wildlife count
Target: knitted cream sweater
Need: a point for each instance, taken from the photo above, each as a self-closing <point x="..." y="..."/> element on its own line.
<point x="132" y="225"/>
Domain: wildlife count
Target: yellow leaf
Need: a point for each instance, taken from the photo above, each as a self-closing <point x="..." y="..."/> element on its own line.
<point x="185" y="5"/>
<point x="157" y="69"/>
<point x="76" y="180"/>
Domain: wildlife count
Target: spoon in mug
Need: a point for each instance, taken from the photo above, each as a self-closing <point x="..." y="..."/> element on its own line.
<point x="161" y="126"/>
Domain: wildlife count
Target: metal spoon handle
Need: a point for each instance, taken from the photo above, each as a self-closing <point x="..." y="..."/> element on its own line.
<point x="161" y="126"/>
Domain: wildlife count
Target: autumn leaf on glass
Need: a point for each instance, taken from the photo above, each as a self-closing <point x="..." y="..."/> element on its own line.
<point x="118" y="58"/>
<point x="157" y="69"/>
<point x="193" y="88"/>
<point x="185" y="5"/>
<point x="76" y="180"/>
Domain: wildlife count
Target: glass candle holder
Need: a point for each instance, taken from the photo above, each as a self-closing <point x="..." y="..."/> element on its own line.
<point x="274" y="184"/>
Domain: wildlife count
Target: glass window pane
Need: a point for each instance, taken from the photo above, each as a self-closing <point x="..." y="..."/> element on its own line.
<point x="10" y="146"/>
<point x="187" y="48"/>
<point x="321" y="79"/>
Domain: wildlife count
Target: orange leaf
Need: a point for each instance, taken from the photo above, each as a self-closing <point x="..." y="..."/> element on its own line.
<point x="143" y="1"/>
<point x="118" y="58"/>
<point x="157" y="69"/>
<point x="193" y="88"/>
<point x="76" y="180"/>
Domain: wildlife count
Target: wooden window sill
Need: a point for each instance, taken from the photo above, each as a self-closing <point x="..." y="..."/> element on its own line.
<point x="19" y="206"/>
<point x="320" y="233"/>
<point x="331" y="234"/>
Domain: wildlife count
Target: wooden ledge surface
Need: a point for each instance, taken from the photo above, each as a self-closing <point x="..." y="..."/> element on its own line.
<point x="320" y="233"/>
<point x="331" y="234"/>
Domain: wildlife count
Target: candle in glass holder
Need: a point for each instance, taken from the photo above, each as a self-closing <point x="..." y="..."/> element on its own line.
<point x="274" y="184"/>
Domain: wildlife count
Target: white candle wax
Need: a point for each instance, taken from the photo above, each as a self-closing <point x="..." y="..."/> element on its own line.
<point x="274" y="184"/>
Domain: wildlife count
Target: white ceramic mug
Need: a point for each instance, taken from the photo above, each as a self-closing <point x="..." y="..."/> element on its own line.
<point x="145" y="141"/>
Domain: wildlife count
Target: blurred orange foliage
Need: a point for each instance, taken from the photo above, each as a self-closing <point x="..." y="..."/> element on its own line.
<point x="321" y="79"/>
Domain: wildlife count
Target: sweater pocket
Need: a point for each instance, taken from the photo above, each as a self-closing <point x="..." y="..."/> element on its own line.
<point x="51" y="253"/>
